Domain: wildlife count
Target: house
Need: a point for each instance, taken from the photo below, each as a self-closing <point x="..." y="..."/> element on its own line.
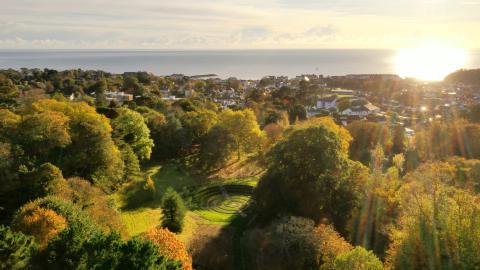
<point x="362" y="110"/>
<point x="119" y="97"/>
<point x="327" y="102"/>
<point x="345" y="92"/>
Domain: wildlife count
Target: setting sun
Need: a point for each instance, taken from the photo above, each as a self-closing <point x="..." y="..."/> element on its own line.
<point x="429" y="64"/>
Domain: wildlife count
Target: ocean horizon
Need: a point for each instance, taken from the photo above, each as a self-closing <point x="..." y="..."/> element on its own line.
<point x="243" y="64"/>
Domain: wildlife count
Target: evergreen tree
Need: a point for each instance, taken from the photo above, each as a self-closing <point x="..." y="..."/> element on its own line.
<point x="16" y="249"/>
<point x="173" y="211"/>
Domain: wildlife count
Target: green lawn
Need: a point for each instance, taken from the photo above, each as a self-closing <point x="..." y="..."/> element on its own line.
<point x="140" y="216"/>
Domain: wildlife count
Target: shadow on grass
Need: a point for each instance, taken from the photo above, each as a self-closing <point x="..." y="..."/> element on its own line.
<point x="135" y="195"/>
<point x="224" y="250"/>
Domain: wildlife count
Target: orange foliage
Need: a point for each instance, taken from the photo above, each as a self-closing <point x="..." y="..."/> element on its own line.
<point x="42" y="223"/>
<point x="330" y="243"/>
<point x="170" y="246"/>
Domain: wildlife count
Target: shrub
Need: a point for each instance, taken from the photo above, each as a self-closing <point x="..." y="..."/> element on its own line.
<point x="357" y="259"/>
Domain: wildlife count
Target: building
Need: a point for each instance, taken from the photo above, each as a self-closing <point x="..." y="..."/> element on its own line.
<point x="362" y="111"/>
<point x="345" y="92"/>
<point x="327" y="102"/>
<point x="118" y="97"/>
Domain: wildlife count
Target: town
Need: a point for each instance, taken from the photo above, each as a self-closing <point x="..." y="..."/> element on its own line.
<point x="370" y="97"/>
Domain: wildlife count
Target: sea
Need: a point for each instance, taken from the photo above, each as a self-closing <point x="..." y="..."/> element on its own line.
<point x="242" y="64"/>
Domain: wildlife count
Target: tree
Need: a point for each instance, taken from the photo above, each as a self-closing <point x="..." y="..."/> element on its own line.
<point x="76" y="249"/>
<point x="297" y="112"/>
<point x="309" y="174"/>
<point x="16" y="249"/>
<point x="173" y="211"/>
<point x="439" y="225"/>
<point x="273" y="133"/>
<point x="170" y="246"/>
<point x="366" y="136"/>
<point x="132" y="85"/>
<point x="45" y="131"/>
<point x="358" y="259"/>
<point x="8" y="92"/>
<point x="216" y="149"/>
<point x="41" y="223"/>
<point x="294" y="243"/>
<point x="94" y="203"/>
<point x="149" y="187"/>
<point x="92" y="153"/>
<point x="100" y="88"/>
<point x="343" y="104"/>
<point x="45" y="180"/>
<point x="243" y="126"/>
<point x="130" y="127"/>
<point x="9" y="122"/>
<point x="398" y="145"/>
<point x="198" y="123"/>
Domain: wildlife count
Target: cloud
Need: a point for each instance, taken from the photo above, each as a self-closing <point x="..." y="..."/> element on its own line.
<point x="210" y="24"/>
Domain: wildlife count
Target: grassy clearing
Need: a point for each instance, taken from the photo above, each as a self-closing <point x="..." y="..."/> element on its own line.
<point x="140" y="220"/>
<point x="140" y="214"/>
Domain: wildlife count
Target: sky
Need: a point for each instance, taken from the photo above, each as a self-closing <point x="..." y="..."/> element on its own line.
<point x="238" y="24"/>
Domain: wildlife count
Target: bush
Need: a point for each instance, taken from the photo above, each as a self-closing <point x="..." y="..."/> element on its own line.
<point x="357" y="259"/>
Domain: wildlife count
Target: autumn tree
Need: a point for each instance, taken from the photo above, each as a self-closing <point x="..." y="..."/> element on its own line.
<point x="170" y="246"/>
<point x="44" y="132"/>
<point x="173" y="211"/>
<point x="9" y="122"/>
<point x="8" y="92"/>
<point x="438" y="225"/>
<point x="243" y="127"/>
<point x="94" y="203"/>
<point x="92" y="153"/>
<point x="41" y="223"/>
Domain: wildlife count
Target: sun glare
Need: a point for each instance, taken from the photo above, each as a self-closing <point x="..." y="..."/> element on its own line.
<point x="429" y="64"/>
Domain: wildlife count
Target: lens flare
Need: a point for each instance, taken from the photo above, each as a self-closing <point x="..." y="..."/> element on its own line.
<point x="429" y="64"/>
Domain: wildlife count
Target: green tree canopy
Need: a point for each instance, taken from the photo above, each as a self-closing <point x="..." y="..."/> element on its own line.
<point x="358" y="259"/>
<point x="16" y="249"/>
<point x="309" y="174"/>
<point x="130" y="127"/>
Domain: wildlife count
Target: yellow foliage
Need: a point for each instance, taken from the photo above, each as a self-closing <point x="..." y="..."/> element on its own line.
<point x="244" y="128"/>
<point x="328" y="122"/>
<point x="330" y="244"/>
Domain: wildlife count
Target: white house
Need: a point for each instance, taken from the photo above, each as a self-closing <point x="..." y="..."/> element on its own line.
<point x="362" y="111"/>
<point x="327" y="102"/>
